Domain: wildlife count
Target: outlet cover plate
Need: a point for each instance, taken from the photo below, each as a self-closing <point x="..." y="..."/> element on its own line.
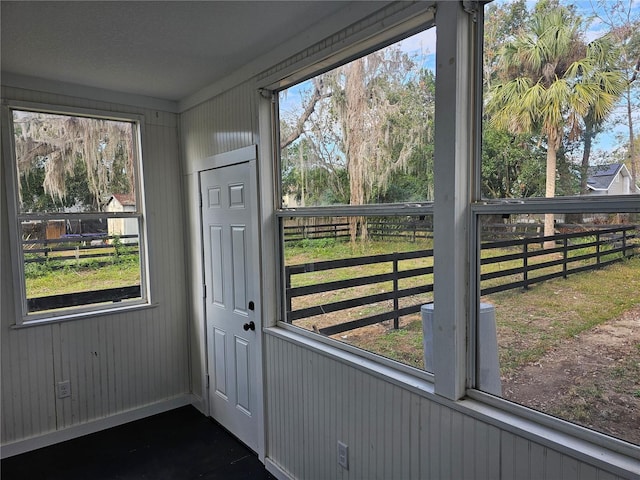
<point x="63" y="389"/>
<point x="343" y="455"/>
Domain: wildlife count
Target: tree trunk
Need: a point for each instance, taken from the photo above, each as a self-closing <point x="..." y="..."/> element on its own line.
<point x="302" y="175"/>
<point x="550" y="191"/>
<point x="584" y="168"/>
<point x="355" y="137"/>
<point x="632" y="150"/>
<point x="353" y="229"/>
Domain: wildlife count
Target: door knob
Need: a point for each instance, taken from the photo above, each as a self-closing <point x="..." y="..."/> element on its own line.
<point x="249" y="326"/>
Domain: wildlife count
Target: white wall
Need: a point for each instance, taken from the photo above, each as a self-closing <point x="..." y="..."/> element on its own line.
<point x="313" y="400"/>
<point x="118" y="364"/>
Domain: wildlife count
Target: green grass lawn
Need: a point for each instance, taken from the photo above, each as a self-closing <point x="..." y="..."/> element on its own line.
<point x="532" y="322"/>
<point x="83" y="278"/>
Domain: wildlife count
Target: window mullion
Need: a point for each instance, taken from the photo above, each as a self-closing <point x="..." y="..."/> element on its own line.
<point x="452" y="200"/>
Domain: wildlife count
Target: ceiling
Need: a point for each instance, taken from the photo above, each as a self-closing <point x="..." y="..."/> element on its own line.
<point x="167" y="50"/>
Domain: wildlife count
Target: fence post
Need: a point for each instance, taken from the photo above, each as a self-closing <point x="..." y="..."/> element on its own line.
<point x="597" y="248"/>
<point x="287" y="276"/>
<point x="624" y="243"/>
<point x="396" y="319"/>
<point x="525" y="263"/>
<point x="565" y="255"/>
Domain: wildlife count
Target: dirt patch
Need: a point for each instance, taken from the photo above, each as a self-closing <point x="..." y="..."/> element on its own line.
<point x="592" y="379"/>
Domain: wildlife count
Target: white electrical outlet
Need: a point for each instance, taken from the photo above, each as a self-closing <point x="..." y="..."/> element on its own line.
<point x="63" y="389"/>
<point x="343" y="455"/>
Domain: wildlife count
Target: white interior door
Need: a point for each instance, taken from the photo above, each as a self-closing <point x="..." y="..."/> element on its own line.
<point x="229" y="227"/>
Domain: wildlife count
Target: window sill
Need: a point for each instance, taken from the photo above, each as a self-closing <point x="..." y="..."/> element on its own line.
<point x="599" y="450"/>
<point x="28" y="323"/>
<point x="402" y="375"/>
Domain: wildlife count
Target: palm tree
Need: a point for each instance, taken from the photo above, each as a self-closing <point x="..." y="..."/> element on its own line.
<point x="551" y="82"/>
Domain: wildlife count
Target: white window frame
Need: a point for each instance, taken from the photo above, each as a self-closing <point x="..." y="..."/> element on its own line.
<point x="478" y="207"/>
<point x="456" y="209"/>
<point x="387" y="210"/>
<point x="23" y="317"/>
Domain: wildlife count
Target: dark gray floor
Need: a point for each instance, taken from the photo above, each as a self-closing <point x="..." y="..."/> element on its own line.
<point x="180" y="444"/>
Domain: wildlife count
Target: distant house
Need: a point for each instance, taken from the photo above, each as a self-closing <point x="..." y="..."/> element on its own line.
<point x="610" y="179"/>
<point x="126" y="228"/>
<point x="289" y="200"/>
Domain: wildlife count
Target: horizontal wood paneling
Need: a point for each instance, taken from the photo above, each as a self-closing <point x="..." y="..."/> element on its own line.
<point x="115" y="363"/>
<point x="314" y="401"/>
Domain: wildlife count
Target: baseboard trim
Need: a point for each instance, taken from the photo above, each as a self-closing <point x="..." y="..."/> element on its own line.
<point x="50" y="438"/>
<point x="198" y="403"/>
<point x="276" y="470"/>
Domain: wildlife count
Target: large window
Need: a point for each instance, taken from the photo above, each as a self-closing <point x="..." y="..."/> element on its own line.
<point x="356" y="183"/>
<point x="558" y="228"/>
<point x="78" y="206"/>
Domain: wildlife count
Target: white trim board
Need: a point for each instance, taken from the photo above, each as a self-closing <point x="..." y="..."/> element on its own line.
<point x="83" y="91"/>
<point x="225" y="159"/>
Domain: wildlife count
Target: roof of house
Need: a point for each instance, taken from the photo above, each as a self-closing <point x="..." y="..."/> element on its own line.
<point x="125" y="199"/>
<point x="601" y="176"/>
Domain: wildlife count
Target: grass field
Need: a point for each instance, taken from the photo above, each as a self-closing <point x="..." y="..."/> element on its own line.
<point x="534" y="321"/>
<point x="82" y="277"/>
<point x="531" y="322"/>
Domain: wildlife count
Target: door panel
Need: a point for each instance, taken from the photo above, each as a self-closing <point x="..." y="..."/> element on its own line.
<point x="217" y="279"/>
<point x="242" y="373"/>
<point x="238" y="244"/>
<point x="220" y="353"/>
<point x="230" y="276"/>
